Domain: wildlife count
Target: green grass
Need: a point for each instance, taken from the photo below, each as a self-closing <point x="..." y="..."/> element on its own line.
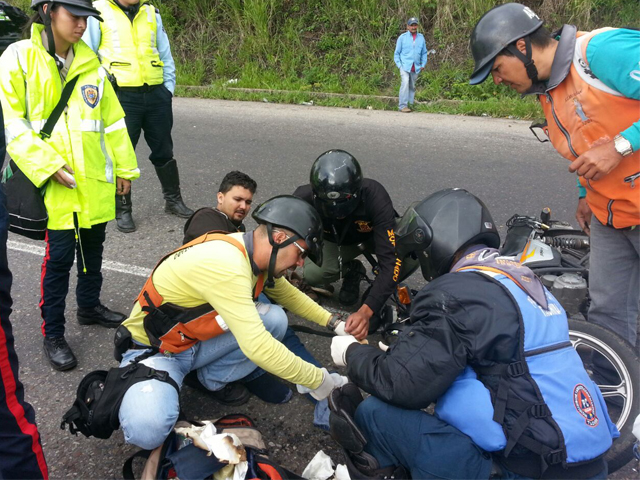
<point x="347" y="47"/>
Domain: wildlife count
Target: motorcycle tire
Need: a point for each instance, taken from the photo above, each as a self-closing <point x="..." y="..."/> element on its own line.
<point x="620" y="354"/>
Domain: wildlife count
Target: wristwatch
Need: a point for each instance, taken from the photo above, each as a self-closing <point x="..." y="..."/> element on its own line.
<point x="333" y="322"/>
<point x="622" y="145"/>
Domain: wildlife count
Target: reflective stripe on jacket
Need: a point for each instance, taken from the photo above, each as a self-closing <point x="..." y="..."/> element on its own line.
<point x="583" y="112"/>
<point x="128" y="49"/>
<point x="90" y="136"/>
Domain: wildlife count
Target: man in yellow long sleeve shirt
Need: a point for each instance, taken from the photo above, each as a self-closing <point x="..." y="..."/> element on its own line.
<point x="223" y="272"/>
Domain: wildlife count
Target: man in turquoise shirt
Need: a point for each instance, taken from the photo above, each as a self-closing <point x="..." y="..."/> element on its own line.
<point x="410" y="57"/>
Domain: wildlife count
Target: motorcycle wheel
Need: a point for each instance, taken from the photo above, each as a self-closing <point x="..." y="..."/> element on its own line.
<point x="622" y="398"/>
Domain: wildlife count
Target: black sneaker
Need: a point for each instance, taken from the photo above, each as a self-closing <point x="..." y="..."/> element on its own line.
<point x="100" y="315"/>
<point x="232" y="394"/>
<point x="59" y="353"/>
<point x="350" y="291"/>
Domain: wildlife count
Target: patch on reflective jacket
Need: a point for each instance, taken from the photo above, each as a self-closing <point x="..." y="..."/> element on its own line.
<point x="584" y="404"/>
<point x="90" y="95"/>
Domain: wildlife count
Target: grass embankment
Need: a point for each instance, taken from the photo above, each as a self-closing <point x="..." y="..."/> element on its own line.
<point x="303" y="47"/>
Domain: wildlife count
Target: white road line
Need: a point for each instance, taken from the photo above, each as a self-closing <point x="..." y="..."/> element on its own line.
<point x="106" y="264"/>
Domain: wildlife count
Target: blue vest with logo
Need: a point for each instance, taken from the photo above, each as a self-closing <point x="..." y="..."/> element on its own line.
<point x="570" y="398"/>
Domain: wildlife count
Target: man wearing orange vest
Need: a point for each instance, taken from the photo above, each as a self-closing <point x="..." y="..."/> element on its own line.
<point x="589" y="86"/>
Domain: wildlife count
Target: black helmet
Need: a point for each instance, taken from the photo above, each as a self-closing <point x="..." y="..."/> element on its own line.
<point x="440" y="225"/>
<point x="496" y="30"/>
<point x="296" y="215"/>
<point x="80" y="8"/>
<point x="336" y="180"/>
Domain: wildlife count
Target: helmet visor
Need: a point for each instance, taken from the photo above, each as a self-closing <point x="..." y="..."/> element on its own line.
<point x="412" y="234"/>
<point x="338" y="208"/>
<point x="482" y="73"/>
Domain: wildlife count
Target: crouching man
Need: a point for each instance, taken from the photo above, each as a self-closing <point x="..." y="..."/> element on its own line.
<point x="490" y="345"/>
<point x="198" y="309"/>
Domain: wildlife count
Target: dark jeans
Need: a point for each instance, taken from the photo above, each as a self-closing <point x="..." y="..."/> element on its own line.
<point x="56" y="267"/>
<point x="150" y="112"/>
<point x="21" y="453"/>
<point x="424" y="444"/>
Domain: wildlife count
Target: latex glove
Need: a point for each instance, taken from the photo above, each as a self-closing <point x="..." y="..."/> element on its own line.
<point x="329" y="382"/>
<point x="340" y="329"/>
<point x="339" y="347"/>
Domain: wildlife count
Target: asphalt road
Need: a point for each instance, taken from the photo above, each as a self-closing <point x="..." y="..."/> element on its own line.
<point x="412" y="155"/>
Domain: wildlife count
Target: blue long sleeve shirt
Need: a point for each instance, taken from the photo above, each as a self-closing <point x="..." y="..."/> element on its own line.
<point x="410" y="52"/>
<point x="93" y="36"/>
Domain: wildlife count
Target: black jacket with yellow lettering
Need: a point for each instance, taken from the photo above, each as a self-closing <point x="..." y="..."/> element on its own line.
<point x="373" y="224"/>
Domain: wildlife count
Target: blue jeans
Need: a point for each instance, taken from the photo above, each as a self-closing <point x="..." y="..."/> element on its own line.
<point x="614" y="279"/>
<point x="407" y="88"/>
<point x="150" y="409"/>
<point x="422" y="443"/>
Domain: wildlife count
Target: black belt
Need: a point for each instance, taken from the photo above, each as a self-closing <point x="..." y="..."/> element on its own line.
<point x="142" y="89"/>
<point x="137" y="346"/>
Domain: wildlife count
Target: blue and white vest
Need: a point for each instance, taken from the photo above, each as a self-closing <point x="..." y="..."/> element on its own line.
<point x="572" y="400"/>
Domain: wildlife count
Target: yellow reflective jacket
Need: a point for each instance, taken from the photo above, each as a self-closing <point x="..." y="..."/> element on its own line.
<point x="128" y="49"/>
<point x="90" y="136"/>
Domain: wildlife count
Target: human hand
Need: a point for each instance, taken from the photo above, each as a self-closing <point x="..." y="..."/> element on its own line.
<point x="330" y="381"/>
<point x="583" y="216"/>
<point x="64" y="176"/>
<point x="596" y="162"/>
<point x="123" y="186"/>
<point x="358" y="322"/>
<point x="339" y="347"/>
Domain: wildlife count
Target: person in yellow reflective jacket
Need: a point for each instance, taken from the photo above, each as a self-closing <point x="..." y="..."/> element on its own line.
<point x="83" y="163"/>
<point x="133" y="46"/>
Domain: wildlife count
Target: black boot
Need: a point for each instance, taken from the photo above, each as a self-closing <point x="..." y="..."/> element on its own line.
<point x="59" y="353"/>
<point x="124" y="219"/>
<point x="350" y="291"/>
<point x="233" y="394"/>
<point x="170" y="181"/>
<point x="100" y="315"/>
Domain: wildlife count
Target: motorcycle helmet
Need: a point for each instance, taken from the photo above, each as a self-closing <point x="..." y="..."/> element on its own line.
<point x="296" y="215"/>
<point x="440" y="225"/>
<point x="498" y="29"/>
<point x="336" y="181"/>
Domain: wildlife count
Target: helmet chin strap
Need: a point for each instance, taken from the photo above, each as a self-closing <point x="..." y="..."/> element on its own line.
<point x="270" y="283"/>
<point x="532" y="71"/>
<point x="46" y="20"/>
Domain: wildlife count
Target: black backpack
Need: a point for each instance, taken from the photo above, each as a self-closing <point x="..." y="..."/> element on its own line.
<point x="95" y="411"/>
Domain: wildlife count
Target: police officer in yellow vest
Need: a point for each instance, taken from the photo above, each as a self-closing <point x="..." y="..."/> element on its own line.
<point x="133" y="46"/>
<point x="86" y="160"/>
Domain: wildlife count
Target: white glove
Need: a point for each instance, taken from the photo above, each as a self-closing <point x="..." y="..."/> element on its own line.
<point x="340" y="329"/>
<point x="339" y="347"/>
<point x="329" y="382"/>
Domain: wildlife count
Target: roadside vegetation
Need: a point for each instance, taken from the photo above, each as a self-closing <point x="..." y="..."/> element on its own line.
<point x="301" y="47"/>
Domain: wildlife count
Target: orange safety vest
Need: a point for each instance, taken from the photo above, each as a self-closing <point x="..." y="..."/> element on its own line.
<point x="582" y="112"/>
<point x="173" y="328"/>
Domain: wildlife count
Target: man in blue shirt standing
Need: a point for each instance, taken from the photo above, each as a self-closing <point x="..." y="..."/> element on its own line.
<point x="410" y="57"/>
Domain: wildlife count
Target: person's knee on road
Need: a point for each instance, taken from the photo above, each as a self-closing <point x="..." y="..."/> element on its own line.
<point x="148" y="413"/>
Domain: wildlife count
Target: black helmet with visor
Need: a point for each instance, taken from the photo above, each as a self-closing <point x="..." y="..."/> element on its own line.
<point x="336" y="181"/>
<point x="440" y="225"/>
